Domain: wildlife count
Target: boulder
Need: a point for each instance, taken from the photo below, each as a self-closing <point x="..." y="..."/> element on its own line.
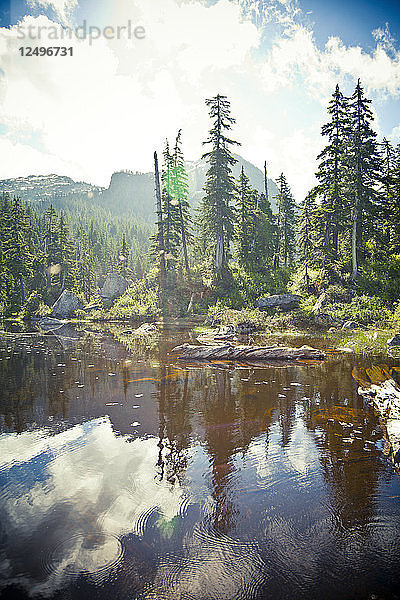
<point x="320" y="303"/>
<point x="49" y="324"/>
<point x="328" y="320"/>
<point x="145" y="329"/>
<point x="385" y="396"/>
<point x="66" y="305"/>
<point x="283" y="301"/>
<point x="395" y="340"/>
<point x="114" y="286"/>
<point x="352" y="325"/>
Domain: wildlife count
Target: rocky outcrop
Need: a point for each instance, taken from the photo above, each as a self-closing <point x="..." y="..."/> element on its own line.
<point x="65" y="306"/>
<point x="282" y="301"/>
<point x="247" y="353"/>
<point x="395" y="340"/>
<point x="386" y="399"/>
<point x="145" y="329"/>
<point x="114" y="286"/>
<point x="353" y="325"/>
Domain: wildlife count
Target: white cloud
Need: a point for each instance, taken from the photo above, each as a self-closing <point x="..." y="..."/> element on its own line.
<point x="101" y="486"/>
<point x="62" y="8"/>
<point x="395" y="134"/>
<point x="111" y="104"/>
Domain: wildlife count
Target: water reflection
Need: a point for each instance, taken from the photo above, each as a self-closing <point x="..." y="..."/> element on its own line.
<point x="72" y="497"/>
<point x="126" y="473"/>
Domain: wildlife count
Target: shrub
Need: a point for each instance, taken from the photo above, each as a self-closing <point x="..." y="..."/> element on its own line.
<point x="363" y="309"/>
<point x="338" y="293"/>
<point x="381" y="279"/>
<point x="247" y="287"/>
<point x="140" y="299"/>
<point x="32" y="304"/>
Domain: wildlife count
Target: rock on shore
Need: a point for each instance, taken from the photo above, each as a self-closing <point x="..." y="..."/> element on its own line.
<point x="283" y="301"/>
<point x="386" y="399"/>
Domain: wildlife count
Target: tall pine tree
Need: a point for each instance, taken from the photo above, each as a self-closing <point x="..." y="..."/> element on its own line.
<point x="217" y="215"/>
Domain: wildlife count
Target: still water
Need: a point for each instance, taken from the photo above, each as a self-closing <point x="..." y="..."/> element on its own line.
<point x="125" y="474"/>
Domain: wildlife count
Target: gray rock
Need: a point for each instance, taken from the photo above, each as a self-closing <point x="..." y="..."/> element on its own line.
<point x="114" y="286"/>
<point x="320" y="303"/>
<point x="395" y="340"/>
<point x="352" y="325"/>
<point x="284" y="301"/>
<point x="49" y="324"/>
<point x="328" y="320"/>
<point x="145" y="329"/>
<point x="66" y="305"/>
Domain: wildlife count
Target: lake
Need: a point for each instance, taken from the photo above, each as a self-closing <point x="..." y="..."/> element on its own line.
<point x="126" y="474"/>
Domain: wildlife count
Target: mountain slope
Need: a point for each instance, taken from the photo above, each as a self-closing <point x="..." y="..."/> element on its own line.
<point x="46" y="187"/>
<point x="128" y="193"/>
<point x="197" y="176"/>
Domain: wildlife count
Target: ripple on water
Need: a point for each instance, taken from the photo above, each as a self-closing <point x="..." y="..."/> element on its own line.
<point x="89" y="553"/>
<point x="214" y="565"/>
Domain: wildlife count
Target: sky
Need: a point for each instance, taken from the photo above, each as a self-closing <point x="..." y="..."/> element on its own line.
<point x="115" y="101"/>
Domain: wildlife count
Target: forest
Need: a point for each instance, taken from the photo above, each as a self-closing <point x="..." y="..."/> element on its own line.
<point x="343" y="238"/>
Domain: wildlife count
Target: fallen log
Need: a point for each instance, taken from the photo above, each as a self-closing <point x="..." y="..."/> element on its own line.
<point x="247" y="353"/>
<point x="385" y="397"/>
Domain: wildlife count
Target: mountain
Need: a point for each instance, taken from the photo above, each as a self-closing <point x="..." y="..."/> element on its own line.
<point x="47" y="187"/>
<point x="135" y="191"/>
<point x="128" y="193"/>
<point x="197" y="176"/>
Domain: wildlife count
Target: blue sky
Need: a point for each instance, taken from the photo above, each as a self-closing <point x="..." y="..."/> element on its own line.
<point x="353" y="20"/>
<point x="114" y="101"/>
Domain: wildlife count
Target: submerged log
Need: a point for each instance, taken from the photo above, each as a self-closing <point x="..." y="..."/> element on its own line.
<point x="385" y="397"/>
<point x="247" y="353"/>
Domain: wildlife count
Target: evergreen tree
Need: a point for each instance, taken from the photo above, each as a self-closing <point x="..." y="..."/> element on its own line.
<point x="217" y="214"/>
<point x="305" y="238"/>
<point x="245" y="219"/>
<point x="363" y="168"/>
<point x="180" y="193"/>
<point x="388" y="212"/>
<point x="17" y="259"/>
<point x="331" y="189"/>
<point x="286" y="237"/>
<point x="263" y="234"/>
<point x="172" y="224"/>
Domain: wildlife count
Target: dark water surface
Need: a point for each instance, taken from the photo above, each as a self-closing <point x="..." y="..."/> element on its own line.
<point x="125" y="474"/>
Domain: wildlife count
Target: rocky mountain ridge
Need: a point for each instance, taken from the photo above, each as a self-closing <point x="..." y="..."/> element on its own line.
<point x="128" y="192"/>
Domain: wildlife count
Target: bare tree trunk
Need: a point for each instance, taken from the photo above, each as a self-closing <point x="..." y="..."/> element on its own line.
<point x="265" y="182"/>
<point x="184" y="244"/>
<point x="161" y="248"/>
<point x="354" y="241"/>
<point x="220" y="253"/>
